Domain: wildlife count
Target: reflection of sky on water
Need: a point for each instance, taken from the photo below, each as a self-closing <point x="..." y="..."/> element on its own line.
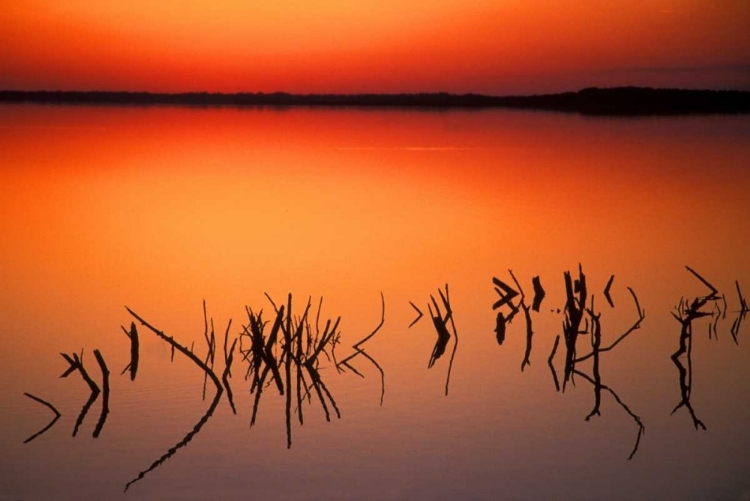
<point x="159" y="208"/>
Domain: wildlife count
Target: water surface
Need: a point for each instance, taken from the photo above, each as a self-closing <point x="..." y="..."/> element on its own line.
<point x="159" y="208"/>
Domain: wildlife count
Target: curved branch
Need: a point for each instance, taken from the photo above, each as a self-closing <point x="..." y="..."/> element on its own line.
<point x="219" y="390"/>
<point x="51" y="423"/>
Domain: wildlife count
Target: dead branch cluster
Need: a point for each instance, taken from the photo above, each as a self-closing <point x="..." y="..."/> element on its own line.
<point x="294" y="346"/>
<point x="505" y="302"/>
<point x="582" y="320"/>
<point x="284" y="350"/>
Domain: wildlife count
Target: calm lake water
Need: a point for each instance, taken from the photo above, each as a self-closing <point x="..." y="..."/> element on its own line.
<point x="160" y="208"/>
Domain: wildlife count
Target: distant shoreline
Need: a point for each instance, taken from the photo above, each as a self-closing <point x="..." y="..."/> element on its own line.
<point x="617" y="101"/>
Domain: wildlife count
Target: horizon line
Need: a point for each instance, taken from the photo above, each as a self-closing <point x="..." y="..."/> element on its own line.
<point x="627" y="100"/>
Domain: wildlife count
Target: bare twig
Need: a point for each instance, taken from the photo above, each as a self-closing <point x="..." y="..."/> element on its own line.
<point x="76" y="364"/>
<point x="419" y="314"/>
<point x="636" y="325"/>
<point x="51" y="423"/>
<point x="606" y="291"/>
<point x="105" y="393"/>
<point x="134" y="350"/>
<point x="636" y="418"/>
<point x="228" y="359"/>
<point x="219" y="390"/>
<point x="551" y="366"/>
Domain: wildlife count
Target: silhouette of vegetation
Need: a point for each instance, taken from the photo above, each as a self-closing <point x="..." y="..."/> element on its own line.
<point x="606" y="291"/>
<point x="636" y="325"/>
<point x="506" y="293"/>
<point x="211" y="346"/>
<point x="76" y="364"/>
<point x="591" y="101"/>
<point x="288" y="354"/>
<point x="686" y="312"/>
<point x="359" y="350"/>
<point x="641" y="427"/>
<point x="741" y="314"/>
<point x="203" y="420"/>
<point x="552" y="365"/>
<point x="419" y="314"/>
<point x="440" y="323"/>
<point x="526" y="311"/>
<point x="575" y="304"/>
<point x="105" y="393"/>
<point x="51" y="423"/>
<point x="576" y="312"/>
<point x="300" y="350"/>
<point x="538" y="294"/>
<point x="134" y="351"/>
<point x="228" y="360"/>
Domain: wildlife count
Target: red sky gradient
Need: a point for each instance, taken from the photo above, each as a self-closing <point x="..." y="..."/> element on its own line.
<point x="494" y="47"/>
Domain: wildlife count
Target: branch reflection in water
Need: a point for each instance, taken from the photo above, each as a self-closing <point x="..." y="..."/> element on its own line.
<point x="76" y="364"/>
<point x="288" y="354"/>
<point x="685" y="313"/>
<point x="359" y="350"/>
<point x="440" y="323"/>
<point x="51" y="423"/>
<point x="204" y="419"/>
<point x="577" y="312"/>
<point x="300" y="349"/>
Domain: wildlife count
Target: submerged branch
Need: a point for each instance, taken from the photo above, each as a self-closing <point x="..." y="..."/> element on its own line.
<point x="636" y="325"/>
<point x="204" y="419"/>
<point x="105" y="393"/>
<point x="51" y="423"/>
<point x="76" y="364"/>
<point x="635" y="417"/>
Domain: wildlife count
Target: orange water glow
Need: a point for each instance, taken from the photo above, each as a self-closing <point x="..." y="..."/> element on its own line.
<point x="174" y="204"/>
<point x="158" y="208"/>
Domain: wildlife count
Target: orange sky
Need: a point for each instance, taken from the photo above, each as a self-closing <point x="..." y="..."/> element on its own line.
<point x="499" y="47"/>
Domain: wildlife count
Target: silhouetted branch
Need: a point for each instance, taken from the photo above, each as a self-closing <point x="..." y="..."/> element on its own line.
<point x="449" y="315"/>
<point x="551" y="366"/>
<point x="219" y="390"/>
<point x="741" y="314"/>
<point x="359" y="343"/>
<point x="134" y="350"/>
<point x="596" y="340"/>
<point x="288" y="368"/>
<point x="105" y="393"/>
<point x="606" y="291"/>
<point x="574" y="308"/>
<point x="529" y="332"/>
<point x="538" y="294"/>
<point x="419" y="314"/>
<point x="687" y="312"/>
<point x="636" y="325"/>
<point x="51" y="423"/>
<point x="636" y="418"/>
<point x="76" y="364"/>
<point x="714" y="291"/>
<point x="228" y="359"/>
<point x="500" y="327"/>
<point x="382" y="374"/>
<point x="505" y="292"/>
<point x="211" y="344"/>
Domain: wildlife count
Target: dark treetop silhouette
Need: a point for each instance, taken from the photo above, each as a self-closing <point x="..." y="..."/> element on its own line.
<point x="590" y="101"/>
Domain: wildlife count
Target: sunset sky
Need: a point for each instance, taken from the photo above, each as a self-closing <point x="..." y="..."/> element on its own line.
<point x="487" y="46"/>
